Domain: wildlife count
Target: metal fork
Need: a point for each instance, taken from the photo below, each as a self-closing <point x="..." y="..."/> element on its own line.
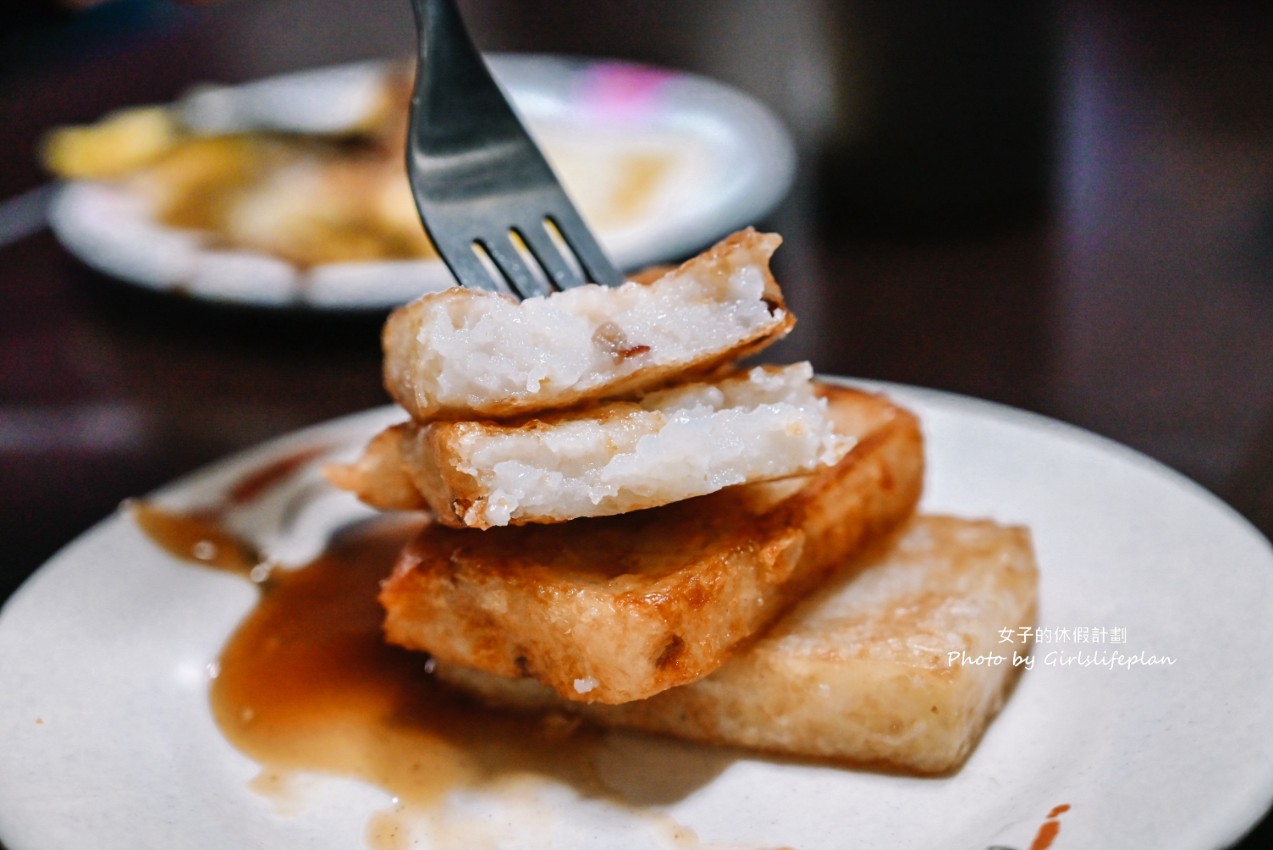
<point x="481" y="185"/>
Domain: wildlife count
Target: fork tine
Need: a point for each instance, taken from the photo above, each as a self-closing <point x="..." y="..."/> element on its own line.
<point x="464" y="263"/>
<point x="509" y="261"/>
<point x="575" y="233"/>
<point x="548" y="254"/>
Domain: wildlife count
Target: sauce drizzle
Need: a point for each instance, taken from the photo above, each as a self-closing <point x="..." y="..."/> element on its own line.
<point x="198" y="537"/>
<point x="307" y="683"/>
<point x="1050" y="828"/>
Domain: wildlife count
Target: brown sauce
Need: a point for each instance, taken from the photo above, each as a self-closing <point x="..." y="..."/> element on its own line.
<point x="1049" y="829"/>
<point x="256" y="483"/>
<point x="307" y="685"/>
<point x="198" y="537"/>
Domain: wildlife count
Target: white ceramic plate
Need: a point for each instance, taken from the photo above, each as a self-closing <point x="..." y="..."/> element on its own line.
<point x="729" y="162"/>
<point x="108" y="741"/>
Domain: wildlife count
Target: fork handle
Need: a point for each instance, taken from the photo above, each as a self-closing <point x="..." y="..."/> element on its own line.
<point x="454" y="93"/>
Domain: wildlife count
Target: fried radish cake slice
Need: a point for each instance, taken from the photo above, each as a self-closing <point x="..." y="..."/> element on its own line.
<point x="603" y="459"/>
<point x="613" y="609"/>
<point x="465" y="353"/>
<point x="874" y="668"/>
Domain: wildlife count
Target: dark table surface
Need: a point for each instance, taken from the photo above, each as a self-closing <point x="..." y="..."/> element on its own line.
<point x="1064" y="207"/>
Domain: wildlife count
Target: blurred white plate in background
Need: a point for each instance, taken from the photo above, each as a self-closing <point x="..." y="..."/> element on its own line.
<point x="725" y="161"/>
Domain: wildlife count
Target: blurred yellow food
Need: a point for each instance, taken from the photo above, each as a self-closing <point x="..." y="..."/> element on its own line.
<point x="305" y="200"/>
<point x="311" y="199"/>
<point x="119" y="143"/>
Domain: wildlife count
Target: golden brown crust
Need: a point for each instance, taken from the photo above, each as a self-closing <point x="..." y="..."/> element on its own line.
<point x="860" y="672"/>
<point x="379" y="476"/>
<point x="444" y="487"/>
<point x="620" y="608"/>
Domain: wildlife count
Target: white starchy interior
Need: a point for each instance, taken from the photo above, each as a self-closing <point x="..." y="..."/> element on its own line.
<point x="475" y="350"/>
<point x="672" y="444"/>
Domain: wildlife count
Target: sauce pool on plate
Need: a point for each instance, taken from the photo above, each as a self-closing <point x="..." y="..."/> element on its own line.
<point x="307" y="684"/>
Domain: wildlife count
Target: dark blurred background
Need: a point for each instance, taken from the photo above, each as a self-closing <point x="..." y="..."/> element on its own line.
<point x="1065" y="206"/>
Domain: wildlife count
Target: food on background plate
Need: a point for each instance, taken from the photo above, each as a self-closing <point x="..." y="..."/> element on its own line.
<point x="317" y="195"/>
<point x="308" y="198"/>
<point x="117" y="144"/>
<point x="859" y="671"/>
<point x="619" y="608"/>
<point x="305" y="200"/>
